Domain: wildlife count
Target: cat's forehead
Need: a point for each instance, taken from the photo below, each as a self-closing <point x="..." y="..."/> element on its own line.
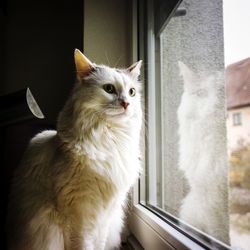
<point x="104" y="74"/>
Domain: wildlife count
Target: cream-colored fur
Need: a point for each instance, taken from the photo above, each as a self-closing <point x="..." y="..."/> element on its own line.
<point x="71" y="187"/>
<point x="203" y="155"/>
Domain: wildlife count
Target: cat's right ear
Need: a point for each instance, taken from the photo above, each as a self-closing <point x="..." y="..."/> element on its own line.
<point x="185" y="71"/>
<point x="135" y="69"/>
<point x="83" y="64"/>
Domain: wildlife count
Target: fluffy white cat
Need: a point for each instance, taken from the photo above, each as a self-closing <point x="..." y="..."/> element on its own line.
<point x="202" y="151"/>
<point x="71" y="187"/>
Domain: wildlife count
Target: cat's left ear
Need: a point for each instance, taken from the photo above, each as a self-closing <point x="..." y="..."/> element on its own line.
<point x="83" y="64"/>
<point x="135" y="69"/>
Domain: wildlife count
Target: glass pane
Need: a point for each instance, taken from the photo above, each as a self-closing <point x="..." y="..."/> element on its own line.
<point x="237" y="61"/>
<point x="199" y="163"/>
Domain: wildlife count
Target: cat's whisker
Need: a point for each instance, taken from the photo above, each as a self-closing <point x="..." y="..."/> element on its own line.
<point x="106" y="55"/>
<point x="119" y="58"/>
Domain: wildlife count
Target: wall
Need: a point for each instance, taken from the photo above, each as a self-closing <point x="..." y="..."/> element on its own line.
<point x="107" y="32"/>
<point x="37" y="43"/>
<point x="39" y="38"/>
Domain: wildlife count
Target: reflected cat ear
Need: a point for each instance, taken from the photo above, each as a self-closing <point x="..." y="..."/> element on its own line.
<point x="135" y="69"/>
<point x="190" y="79"/>
<point x="185" y="71"/>
<point x="83" y="64"/>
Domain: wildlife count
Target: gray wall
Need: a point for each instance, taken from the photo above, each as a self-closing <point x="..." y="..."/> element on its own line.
<point x="37" y="49"/>
<point x="37" y="42"/>
<point x="107" y="32"/>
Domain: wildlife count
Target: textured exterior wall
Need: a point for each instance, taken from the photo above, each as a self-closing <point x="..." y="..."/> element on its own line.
<point x="197" y="40"/>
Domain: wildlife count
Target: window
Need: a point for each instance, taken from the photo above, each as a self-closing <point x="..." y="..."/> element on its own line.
<point x="236" y="119"/>
<point x="191" y="151"/>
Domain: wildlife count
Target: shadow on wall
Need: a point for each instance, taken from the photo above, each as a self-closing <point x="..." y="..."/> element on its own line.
<point x="19" y="121"/>
<point x="37" y="44"/>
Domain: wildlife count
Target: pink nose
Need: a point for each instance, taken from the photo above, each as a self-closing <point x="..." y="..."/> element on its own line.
<point x="124" y="104"/>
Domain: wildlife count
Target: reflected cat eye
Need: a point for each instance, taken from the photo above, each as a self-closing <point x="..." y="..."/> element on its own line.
<point x="109" y="88"/>
<point x="132" y="92"/>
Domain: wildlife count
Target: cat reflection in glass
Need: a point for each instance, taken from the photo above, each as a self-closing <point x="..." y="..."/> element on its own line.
<point x="70" y="189"/>
<point x="202" y="151"/>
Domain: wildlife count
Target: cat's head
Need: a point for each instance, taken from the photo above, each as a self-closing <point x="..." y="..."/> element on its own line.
<point x="198" y="85"/>
<point x="201" y="86"/>
<point x="105" y="93"/>
<point x="202" y="92"/>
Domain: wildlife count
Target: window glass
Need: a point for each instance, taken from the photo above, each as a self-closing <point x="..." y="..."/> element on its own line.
<point x="236" y="119"/>
<point x="197" y="158"/>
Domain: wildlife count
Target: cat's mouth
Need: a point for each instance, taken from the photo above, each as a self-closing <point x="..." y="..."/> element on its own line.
<point x="118" y="112"/>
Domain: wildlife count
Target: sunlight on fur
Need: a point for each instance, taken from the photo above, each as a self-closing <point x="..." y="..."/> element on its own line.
<point x="71" y="187"/>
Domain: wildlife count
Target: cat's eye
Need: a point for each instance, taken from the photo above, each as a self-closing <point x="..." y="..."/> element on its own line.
<point x="132" y="92"/>
<point x="109" y="88"/>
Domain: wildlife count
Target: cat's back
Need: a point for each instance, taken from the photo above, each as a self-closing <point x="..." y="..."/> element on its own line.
<point x="40" y="148"/>
<point x="42" y="140"/>
<point x="43" y="136"/>
<point x="31" y="185"/>
<point x="33" y="171"/>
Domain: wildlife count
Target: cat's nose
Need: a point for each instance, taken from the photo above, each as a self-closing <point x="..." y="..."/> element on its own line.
<point x="124" y="103"/>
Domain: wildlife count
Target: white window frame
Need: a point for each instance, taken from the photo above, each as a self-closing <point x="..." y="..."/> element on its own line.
<point x="150" y="230"/>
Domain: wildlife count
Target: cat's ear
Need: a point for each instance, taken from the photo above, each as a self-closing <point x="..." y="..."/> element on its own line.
<point x="185" y="71"/>
<point x="135" y="69"/>
<point x="83" y="64"/>
<point x="190" y="79"/>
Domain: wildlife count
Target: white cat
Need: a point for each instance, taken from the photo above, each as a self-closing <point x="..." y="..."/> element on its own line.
<point x="202" y="151"/>
<point x="71" y="187"/>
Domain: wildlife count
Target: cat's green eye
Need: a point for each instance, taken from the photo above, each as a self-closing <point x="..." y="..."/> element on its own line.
<point x="132" y="92"/>
<point x="109" y="88"/>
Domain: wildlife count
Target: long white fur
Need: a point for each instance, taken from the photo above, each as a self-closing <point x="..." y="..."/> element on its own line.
<point x="71" y="187"/>
<point x="202" y="150"/>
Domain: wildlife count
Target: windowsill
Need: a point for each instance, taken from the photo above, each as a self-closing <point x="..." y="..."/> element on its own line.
<point x="153" y="233"/>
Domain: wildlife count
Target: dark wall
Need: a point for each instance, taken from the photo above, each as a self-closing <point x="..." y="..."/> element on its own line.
<point x="37" y="42"/>
<point x="39" y="38"/>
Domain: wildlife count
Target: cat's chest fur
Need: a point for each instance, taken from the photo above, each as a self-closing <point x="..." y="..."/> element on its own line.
<point x="103" y="163"/>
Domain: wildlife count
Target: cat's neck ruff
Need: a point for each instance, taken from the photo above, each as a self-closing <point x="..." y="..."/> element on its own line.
<point x="109" y="149"/>
<point x="98" y="139"/>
